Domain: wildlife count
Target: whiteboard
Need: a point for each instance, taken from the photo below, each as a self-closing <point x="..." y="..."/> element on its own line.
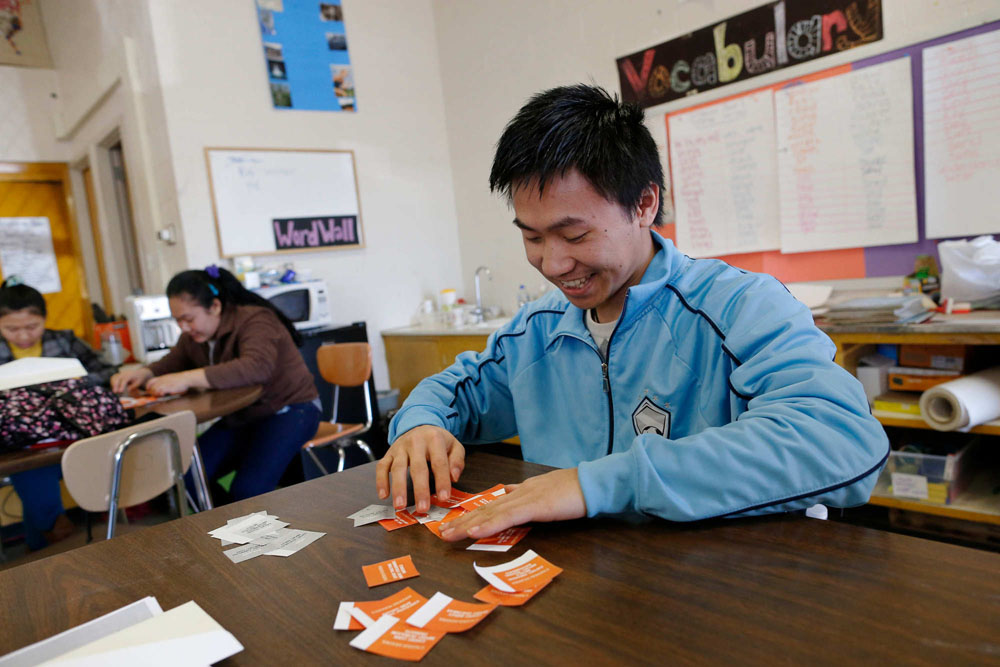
<point x="962" y="136"/>
<point x="725" y="177"/>
<point x="270" y="201"/>
<point x="845" y="160"/>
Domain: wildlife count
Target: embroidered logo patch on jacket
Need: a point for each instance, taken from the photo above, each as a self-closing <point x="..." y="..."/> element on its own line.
<point x="651" y="418"/>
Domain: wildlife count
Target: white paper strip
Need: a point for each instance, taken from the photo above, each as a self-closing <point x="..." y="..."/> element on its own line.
<point x="488" y="573"/>
<point x="373" y="632"/>
<point x="343" y="620"/>
<point x="429" y="610"/>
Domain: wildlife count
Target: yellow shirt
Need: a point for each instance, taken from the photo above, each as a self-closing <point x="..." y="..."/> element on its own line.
<point x="21" y="353"/>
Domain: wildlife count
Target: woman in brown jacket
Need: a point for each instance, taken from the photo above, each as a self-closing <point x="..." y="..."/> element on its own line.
<point x="232" y="337"/>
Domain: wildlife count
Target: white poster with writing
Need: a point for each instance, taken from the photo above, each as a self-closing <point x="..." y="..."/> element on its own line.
<point x="26" y="251"/>
<point x="845" y="160"/>
<point x="962" y="136"/>
<point x="724" y="177"/>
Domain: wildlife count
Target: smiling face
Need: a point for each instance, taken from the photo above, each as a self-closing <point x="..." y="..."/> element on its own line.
<point x="591" y="248"/>
<point x="194" y="319"/>
<point x="22" y="328"/>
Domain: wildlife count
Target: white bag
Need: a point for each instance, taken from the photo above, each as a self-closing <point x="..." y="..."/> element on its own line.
<point x="970" y="270"/>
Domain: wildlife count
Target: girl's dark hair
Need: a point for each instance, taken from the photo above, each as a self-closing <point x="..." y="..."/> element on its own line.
<point x="15" y="297"/>
<point x="584" y="128"/>
<point x="216" y="283"/>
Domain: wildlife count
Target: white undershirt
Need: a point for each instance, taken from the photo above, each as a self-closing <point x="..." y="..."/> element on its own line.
<point x="600" y="331"/>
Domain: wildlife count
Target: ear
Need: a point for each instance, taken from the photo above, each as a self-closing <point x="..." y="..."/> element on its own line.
<point x="215" y="308"/>
<point x="649" y="205"/>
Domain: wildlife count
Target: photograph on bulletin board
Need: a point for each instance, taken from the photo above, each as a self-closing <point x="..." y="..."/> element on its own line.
<point x="306" y="55"/>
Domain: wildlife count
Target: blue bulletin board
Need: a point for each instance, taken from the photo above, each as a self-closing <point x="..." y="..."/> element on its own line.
<point x="305" y="53"/>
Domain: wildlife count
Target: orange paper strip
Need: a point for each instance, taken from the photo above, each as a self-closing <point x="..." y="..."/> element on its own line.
<point x="444" y="614"/>
<point x="502" y="541"/>
<point x="402" y="520"/>
<point x="496" y="596"/>
<point x="400" y="605"/>
<point x="388" y="571"/>
<point x="487" y="496"/>
<point x="393" y="638"/>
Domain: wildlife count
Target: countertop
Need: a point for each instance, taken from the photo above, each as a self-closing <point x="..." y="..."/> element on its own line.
<point x="482" y="329"/>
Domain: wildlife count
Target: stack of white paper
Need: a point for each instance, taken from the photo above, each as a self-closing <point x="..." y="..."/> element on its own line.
<point x="262" y="534"/>
<point x="137" y="634"/>
<point x="36" y="370"/>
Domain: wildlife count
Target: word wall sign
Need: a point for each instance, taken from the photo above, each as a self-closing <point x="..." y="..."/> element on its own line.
<point x="768" y="38"/>
<point x="323" y="232"/>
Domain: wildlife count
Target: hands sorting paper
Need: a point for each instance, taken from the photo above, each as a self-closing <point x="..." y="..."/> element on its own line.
<point x="439" y="518"/>
<point x="554" y="496"/>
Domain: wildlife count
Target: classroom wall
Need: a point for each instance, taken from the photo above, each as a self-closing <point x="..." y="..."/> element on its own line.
<point x="216" y="93"/>
<point x="495" y="55"/>
<point x="26" y="97"/>
<point x="109" y="86"/>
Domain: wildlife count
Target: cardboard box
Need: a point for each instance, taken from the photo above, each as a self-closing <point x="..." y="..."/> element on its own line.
<point x="898" y="401"/>
<point x="918" y="379"/>
<point x="944" y="357"/>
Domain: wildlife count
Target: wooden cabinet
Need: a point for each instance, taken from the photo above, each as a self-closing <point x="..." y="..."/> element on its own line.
<point x="982" y="503"/>
<point x="412" y="357"/>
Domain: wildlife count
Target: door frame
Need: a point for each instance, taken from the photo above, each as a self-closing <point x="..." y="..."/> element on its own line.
<point x="56" y="172"/>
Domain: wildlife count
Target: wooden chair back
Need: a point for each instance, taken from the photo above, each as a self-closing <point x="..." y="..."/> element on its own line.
<point x="146" y="469"/>
<point x="345" y="364"/>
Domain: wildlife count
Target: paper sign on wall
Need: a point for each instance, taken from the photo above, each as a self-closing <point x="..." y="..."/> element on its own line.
<point x="26" y="251"/>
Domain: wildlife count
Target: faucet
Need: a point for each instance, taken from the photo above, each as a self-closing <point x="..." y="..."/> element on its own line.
<point x="478" y="314"/>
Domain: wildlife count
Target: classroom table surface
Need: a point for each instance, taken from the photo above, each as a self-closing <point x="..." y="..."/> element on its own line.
<point x="206" y="405"/>
<point x="760" y="590"/>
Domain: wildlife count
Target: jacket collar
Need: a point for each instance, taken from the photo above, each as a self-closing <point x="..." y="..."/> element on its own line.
<point x="664" y="264"/>
<point x="227" y="322"/>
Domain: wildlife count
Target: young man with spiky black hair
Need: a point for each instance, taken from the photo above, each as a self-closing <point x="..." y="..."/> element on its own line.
<point x="658" y="384"/>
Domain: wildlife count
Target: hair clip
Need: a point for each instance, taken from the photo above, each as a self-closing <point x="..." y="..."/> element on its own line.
<point x="215" y="290"/>
<point x="213" y="271"/>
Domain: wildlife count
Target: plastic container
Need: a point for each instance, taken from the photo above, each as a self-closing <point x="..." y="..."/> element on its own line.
<point x="929" y="478"/>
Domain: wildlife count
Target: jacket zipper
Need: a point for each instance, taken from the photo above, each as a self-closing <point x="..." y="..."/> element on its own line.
<point x="611" y="403"/>
<point x="605" y="359"/>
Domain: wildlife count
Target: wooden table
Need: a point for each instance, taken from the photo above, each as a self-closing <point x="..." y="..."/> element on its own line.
<point x="206" y="405"/>
<point x="770" y="590"/>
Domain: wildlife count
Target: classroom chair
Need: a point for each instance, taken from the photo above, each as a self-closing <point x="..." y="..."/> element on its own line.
<point x="132" y="465"/>
<point x="343" y="365"/>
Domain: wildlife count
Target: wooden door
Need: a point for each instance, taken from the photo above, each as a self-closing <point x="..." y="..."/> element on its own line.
<point x="41" y="189"/>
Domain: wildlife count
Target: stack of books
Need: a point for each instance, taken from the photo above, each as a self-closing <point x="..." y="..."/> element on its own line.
<point x="880" y="310"/>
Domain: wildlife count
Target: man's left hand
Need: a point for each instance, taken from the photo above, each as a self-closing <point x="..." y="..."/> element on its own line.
<point x="554" y="496"/>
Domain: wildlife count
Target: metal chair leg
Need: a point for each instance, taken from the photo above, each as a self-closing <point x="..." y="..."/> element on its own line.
<point x="315" y="459"/>
<point x="200" y="481"/>
<point x="341" y="458"/>
<point x="363" y="446"/>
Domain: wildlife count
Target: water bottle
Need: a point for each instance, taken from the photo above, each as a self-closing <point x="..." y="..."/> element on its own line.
<point x="112" y="349"/>
<point x="522" y="296"/>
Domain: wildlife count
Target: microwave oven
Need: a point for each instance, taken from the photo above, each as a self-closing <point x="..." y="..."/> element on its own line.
<point x="305" y="303"/>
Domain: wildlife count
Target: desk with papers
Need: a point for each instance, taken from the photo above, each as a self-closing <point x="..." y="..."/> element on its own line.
<point x="785" y="588"/>
<point x="206" y="405"/>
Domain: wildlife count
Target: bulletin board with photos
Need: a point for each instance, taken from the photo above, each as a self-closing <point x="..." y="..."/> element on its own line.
<point x="305" y="51"/>
<point x="268" y="201"/>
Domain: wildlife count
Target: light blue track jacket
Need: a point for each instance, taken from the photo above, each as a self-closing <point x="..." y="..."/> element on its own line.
<point x="719" y="397"/>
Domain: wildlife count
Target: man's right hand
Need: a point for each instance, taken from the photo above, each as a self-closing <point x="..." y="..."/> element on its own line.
<point x="412" y="451"/>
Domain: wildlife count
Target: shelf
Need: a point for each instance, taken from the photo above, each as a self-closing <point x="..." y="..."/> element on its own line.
<point x="980" y="502"/>
<point x="914" y="421"/>
<point x="957" y="511"/>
